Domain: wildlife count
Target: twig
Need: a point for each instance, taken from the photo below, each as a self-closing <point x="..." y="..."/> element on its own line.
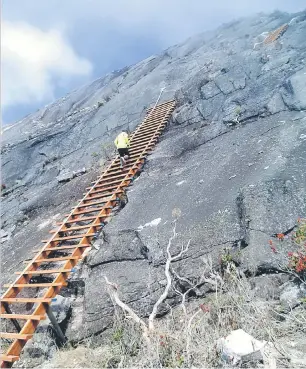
<point x="169" y="260"/>
<point x="114" y="295"/>
<point x="189" y="335"/>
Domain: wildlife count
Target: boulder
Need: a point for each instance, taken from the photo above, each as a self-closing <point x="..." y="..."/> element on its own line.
<point x="210" y="89"/>
<point x="294" y="91"/>
<point x="292" y="294"/>
<point x="240" y="347"/>
<point x="65" y="176"/>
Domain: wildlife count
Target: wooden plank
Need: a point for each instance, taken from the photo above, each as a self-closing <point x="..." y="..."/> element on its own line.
<point x="106" y="197"/>
<point x="142" y="140"/>
<point x="156" y="114"/>
<point x="147" y="150"/>
<point x="154" y="123"/>
<point x="147" y="147"/>
<point x="91" y="204"/>
<point x="35" y="285"/>
<point x="85" y="219"/>
<point x="47" y="271"/>
<point x="9" y="358"/>
<point x="74" y="237"/>
<point x="141" y="146"/>
<point x="89" y="197"/>
<point x="152" y="127"/>
<point x="102" y="178"/>
<point x="161" y="106"/>
<point x="50" y="260"/>
<point x="92" y="210"/>
<point x="110" y="187"/>
<point x="82" y="227"/>
<point x="15" y="336"/>
<point x="22" y="317"/>
<point x="146" y="138"/>
<point x="67" y="247"/>
<point x="26" y="299"/>
<point x="113" y="186"/>
<point x="116" y="165"/>
<point x="63" y="247"/>
<point x="106" y="181"/>
<point x="114" y="170"/>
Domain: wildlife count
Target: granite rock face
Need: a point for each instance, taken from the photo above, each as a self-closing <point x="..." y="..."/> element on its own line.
<point x="231" y="162"/>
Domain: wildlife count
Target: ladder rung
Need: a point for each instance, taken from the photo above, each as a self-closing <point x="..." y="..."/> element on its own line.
<point x="63" y="258"/>
<point x="15" y="336"/>
<point x="47" y="271"/>
<point x="36" y="285"/>
<point x="84" y="205"/>
<point x="9" y="358"/>
<point x="85" y="219"/>
<point x="82" y="227"/>
<point x="105" y="188"/>
<point x="143" y="143"/>
<point x="60" y="248"/>
<point x="155" y="122"/>
<point x="106" y="180"/>
<point x="155" y="119"/>
<point x="67" y="247"/>
<point x="147" y="132"/>
<point x="111" y="175"/>
<point x="74" y="237"/>
<point x="131" y="164"/>
<point x="93" y="210"/>
<point x="145" y="137"/>
<point x="22" y="317"/>
<point x="26" y="299"/>
<point x="107" y="198"/>
<point x="103" y="177"/>
<point x="114" y="168"/>
<point x="102" y="191"/>
<point x="102" y="186"/>
<point x="142" y="147"/>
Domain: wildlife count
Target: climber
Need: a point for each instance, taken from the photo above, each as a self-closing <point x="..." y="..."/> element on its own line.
<point x="122" y="143"/>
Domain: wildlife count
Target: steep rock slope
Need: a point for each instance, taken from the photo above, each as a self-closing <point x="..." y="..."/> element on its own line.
<point x="231" y="163"/>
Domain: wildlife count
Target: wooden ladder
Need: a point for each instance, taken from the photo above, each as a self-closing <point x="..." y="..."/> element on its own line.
<point x="72" y="238"/>
<point x="277" y="33"/>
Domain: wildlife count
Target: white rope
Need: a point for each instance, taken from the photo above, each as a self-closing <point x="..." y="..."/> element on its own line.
<point x="161" y="91"/>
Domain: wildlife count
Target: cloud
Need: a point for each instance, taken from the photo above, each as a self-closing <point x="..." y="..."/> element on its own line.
<point x="35" y="62"/>
<point x="109" y="34"/>
<point x="168" y="21"/>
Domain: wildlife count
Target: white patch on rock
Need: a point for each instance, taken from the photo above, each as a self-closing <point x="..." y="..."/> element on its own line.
<point x="48" y="221"/>
<point x="153" y="223"/>
<point x="240" y="346"/>
<point x="180" y="183"/>
<point x="44" y="224"/>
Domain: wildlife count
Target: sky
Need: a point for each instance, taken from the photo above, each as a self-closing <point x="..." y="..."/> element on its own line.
<point x="50" y="47"/>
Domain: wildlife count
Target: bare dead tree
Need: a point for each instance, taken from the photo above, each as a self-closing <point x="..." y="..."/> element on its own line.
<point x="169" y="260"/>
<point x="113" y="289"/>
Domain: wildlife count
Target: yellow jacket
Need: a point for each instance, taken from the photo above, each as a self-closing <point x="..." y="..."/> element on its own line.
<point x="122" y="141"/>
